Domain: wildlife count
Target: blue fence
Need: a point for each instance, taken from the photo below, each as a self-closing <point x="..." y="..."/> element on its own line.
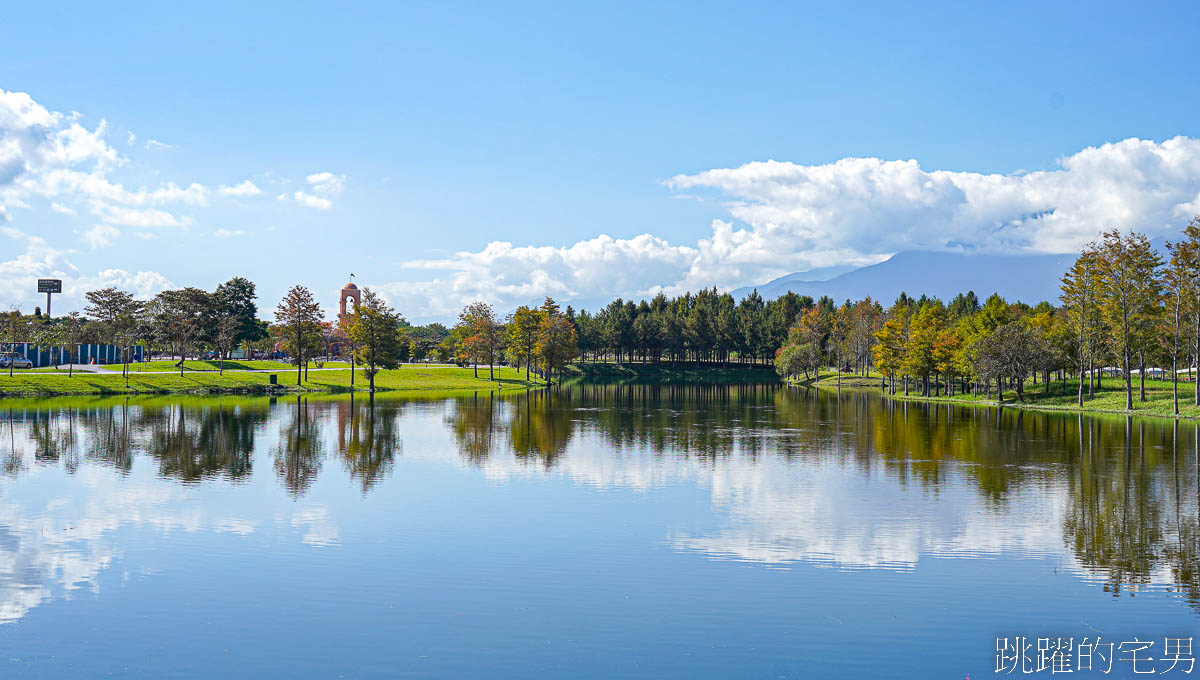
<point x="44" y="355"/>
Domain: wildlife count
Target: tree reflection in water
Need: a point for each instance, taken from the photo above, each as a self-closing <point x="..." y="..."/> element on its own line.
<point x="368" y="439"/>
<point x="192" y="444"/>
<point x="1125" y="491"/>
<point x="299" y="450"/>
<point x="473" y="423"/>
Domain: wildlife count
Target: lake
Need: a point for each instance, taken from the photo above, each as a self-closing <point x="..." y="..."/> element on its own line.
<point x="586" y="532"/>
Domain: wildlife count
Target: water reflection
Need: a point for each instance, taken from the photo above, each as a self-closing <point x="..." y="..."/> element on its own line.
<point x="793" y="476"/>
<point x="368" y="440"/>
<point x="192" y="444"/>
<point x="300" y="448"/>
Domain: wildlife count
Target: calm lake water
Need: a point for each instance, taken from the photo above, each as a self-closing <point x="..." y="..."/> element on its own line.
<point x="589" y="532"/>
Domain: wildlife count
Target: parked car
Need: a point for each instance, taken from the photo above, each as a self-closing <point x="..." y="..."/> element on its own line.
<point x="8" y="359"/>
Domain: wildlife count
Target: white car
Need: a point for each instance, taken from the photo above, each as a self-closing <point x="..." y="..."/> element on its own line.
<point x="15" y="362"/>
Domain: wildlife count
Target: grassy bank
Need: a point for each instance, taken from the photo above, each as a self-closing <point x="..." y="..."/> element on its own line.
<point x="207" y="365"/>
<point x="1061" y="396"/>
<point x="10" y="406"/>
<point x="670" y="373"/>
<point x="407" y="378"/>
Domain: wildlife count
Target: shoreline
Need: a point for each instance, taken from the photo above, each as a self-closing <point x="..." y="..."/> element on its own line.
<point x="258" y="382"/>
<point x="1188" y="411"/>
<point x="670" y="372"/>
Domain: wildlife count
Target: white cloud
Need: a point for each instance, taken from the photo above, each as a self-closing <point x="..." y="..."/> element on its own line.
<point x="131" y="139"/>
<point x="229" y="233"/>
<point x="96" y="188"/>
<point x="135" y="217"/>
<point x="193" y="194"/>
<point x="246" y="188"/>
<point x="37" y="259"/>
<point x="869" y="206"/>
<point x="310" y="201"/>
<point x="503" y="272"/>
<point x="155" y="145"/>
<point x="788" y="217"/>
<point x="34" y="140"/>
<point x="326" y="182"/>
<point x="774" y="511"/>
<point x="144" y="285"/>
<point x="52" y="155"/>
<point x="101" y="236"/>
<point x="320" y="528"/>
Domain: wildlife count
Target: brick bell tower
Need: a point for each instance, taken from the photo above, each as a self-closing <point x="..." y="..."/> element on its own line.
<point x="349" y="292"/>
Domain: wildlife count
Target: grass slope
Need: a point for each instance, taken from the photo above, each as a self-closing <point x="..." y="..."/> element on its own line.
<point x="206" y="365"/>
<point x="1110" y="399"/>
<point x="432" y="378"/>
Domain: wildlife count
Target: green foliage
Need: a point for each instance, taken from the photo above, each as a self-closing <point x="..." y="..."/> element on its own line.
<point x="522" y="333"/>
<point x="556" y="343"/>
<point x="235" y="299"/>
<point x="374" y="328"/>
<point x="299" y="318"/>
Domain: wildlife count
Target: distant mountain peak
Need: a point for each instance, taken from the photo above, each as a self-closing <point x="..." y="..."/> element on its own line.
<point x="941" y="274"/>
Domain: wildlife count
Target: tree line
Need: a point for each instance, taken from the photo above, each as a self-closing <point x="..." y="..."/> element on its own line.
<point x="1125" y="311"/>
<point x="1122" y="308"/>
<point x="179" y="322"/>
<point x="540" y="339"/>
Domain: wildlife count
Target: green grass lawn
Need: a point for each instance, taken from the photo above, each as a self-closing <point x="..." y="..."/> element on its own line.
<point x="828" y="377"/>
<point x="407" y="378"/>
<point x="213" y="365"/>
<point x="1061" y="396"/>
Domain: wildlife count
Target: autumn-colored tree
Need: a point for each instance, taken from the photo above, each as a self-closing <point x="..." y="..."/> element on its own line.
<point x="865" y="322"/>
<point x="839" y="336"/>
<point x="1010" y="352"/>
<point x="482" y="335"/>
<point x="556" y="345"/>
<point x="891" y="342"/>
<point x="1180" y="280"/>
<point x="919" y="360"/>
<point x="1129" y="288"/>
<point x="810" y="338"/>
<point x="524" y="325"/>
<point x="1183" y="284"/>
<point x="946" y="347"/>
<point x="299" y="319"/>
<point x="1079" y="301"/>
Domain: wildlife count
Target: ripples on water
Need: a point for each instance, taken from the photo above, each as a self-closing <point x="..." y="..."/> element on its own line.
<point x="593" y="531"/>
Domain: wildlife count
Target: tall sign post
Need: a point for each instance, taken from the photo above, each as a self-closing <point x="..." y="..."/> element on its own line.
<point x="49" y="286"/>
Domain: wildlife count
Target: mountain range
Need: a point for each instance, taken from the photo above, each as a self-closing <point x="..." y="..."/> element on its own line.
<point x="1027" y="278"/>
<point x="1024" y="278"/>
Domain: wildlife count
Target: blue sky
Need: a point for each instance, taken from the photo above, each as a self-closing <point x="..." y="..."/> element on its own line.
<point x="444" y="128"/>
